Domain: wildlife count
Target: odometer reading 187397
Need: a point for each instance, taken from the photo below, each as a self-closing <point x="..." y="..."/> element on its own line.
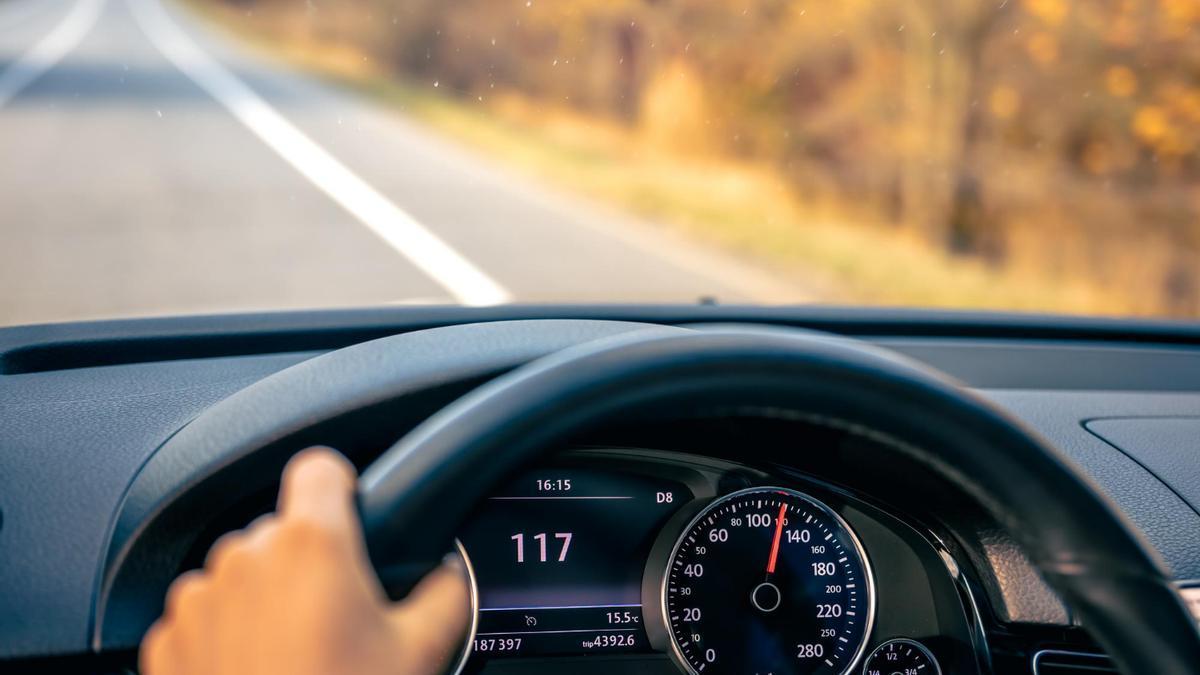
<point x="768" y="581"/>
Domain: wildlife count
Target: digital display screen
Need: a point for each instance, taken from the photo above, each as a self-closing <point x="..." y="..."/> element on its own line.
<point x="559" y="557"/>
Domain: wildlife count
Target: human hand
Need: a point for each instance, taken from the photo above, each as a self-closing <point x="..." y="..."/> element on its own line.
<point x="294" y="593"/>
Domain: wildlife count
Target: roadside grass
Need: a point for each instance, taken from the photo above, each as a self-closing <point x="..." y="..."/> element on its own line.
<point x="741" y="209"/>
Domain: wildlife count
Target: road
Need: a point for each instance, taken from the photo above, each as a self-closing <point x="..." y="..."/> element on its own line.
<point x="150" y="164"/>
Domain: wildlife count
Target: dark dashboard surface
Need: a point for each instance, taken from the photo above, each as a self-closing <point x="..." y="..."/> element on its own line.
<point x="82" y="407"/>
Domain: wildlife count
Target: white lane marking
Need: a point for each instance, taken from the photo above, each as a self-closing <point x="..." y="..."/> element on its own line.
<point x="50" y="49"/>
<point x="466" y="282"/>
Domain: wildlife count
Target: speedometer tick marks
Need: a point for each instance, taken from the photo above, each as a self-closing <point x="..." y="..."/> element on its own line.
<point x="803" y="613"/>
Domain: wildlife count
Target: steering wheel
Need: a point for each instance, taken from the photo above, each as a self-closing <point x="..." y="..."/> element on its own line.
<point x="1083" y="547"/>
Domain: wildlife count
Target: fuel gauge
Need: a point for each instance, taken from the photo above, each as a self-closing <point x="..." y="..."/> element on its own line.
<point x="901" y="656"/>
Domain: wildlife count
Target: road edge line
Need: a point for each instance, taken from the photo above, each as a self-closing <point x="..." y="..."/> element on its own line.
<point x="467" y="283"/>
<point x="47" y="52"/>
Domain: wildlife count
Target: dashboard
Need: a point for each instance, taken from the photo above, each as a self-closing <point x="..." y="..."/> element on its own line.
<point x="673" y="562"/>
<point x="615" y="553"/>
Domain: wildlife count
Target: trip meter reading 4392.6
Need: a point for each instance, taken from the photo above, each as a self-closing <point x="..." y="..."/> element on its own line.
<point x="768" y="580"/>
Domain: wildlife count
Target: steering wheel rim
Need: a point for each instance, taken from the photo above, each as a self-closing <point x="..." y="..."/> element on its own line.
<point x="1084" y="548"/>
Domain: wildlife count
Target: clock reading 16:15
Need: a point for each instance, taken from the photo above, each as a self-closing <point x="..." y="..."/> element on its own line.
<point x="554" y="485"/>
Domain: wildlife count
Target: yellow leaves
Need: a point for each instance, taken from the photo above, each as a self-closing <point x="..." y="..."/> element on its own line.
<point x="1043" y="48"/>
<point x="1103" y="154"/>
<point x="1185" y="102"/>
<point x="674" y="114"/>
<point x="1122" y="31"/>
<point x="1170" y="126"/>
<point x="1180" y="13"/>
<point x="1120" y="81"/>
<point x="1155" y="127"/>
<point x="1004" y="101"/>
<point x="1150" y="124"/>
<point x="1097" y="158"/>
<point x="1052" y="12"/>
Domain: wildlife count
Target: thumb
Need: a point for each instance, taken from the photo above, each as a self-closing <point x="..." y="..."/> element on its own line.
<point x="319" y="486"/>
<point x="434" y="618"/>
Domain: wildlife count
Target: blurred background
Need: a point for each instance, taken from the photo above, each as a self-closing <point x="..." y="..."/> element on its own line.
<point x="1048" y="144"/>
<point x="1007" y="154"/>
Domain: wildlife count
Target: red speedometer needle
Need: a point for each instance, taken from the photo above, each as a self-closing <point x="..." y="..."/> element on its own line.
<point x="775" y="541"/>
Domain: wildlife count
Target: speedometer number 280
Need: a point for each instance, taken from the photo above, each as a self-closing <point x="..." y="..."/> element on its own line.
<point x="768" y="581"/>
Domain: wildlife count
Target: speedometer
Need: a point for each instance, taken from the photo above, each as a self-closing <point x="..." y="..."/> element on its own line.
<point x="768" y="581"/>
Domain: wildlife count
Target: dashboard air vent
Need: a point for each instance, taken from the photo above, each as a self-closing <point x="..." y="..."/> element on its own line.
<point x="1062" y="662"/>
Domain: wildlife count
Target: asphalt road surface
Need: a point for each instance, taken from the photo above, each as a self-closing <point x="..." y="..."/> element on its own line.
<point x="151" y="165"/>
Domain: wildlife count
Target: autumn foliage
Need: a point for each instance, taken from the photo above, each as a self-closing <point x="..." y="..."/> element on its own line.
<point x="1056" y="137"/>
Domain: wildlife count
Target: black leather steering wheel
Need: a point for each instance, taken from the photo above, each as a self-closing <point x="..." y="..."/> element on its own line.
<point x="1083" y="547"/>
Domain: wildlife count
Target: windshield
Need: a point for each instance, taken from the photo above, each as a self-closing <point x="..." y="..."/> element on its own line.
<point x="196" y="156"/>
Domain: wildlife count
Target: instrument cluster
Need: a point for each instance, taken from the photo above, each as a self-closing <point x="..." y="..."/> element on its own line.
<point x="690" y="564"/>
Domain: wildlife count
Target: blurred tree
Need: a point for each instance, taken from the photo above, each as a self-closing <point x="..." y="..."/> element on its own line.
<point x="1045" y="134"/>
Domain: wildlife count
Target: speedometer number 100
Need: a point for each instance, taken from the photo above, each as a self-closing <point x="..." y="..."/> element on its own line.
<point x="768" y="580"/>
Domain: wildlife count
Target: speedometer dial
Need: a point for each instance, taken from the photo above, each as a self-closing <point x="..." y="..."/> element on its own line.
<point x="768" y="581"/>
